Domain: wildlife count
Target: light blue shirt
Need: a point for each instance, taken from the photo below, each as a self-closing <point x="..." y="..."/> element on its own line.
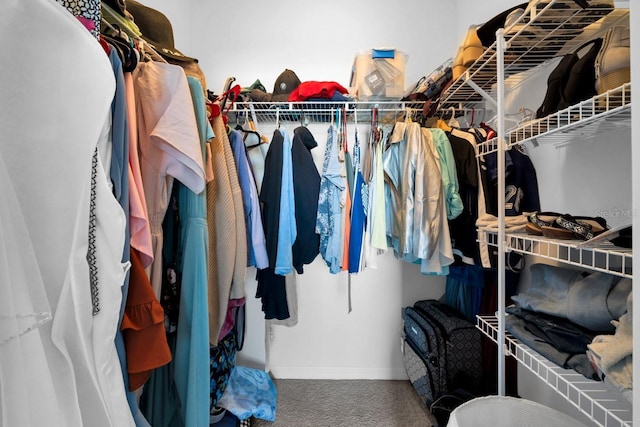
<point x="256" y="247"/>
<point x="287" y="231"/>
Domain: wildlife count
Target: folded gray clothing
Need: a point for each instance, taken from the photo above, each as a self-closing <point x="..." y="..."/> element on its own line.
<point x="589" y="300"/>
<point x="561" y="333"/>
<point x="594" y="301"/>
<point x="579" y="362"/>
<point x="547" y="289"/>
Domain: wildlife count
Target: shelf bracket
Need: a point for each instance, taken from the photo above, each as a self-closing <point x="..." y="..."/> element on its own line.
<point x="482" y="92"/>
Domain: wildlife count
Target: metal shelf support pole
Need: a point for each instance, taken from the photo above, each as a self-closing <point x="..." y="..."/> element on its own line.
<point x="501" y="204"/>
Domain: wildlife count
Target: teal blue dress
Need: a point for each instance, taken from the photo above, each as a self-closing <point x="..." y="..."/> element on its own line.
<point x="191" y="373"/>
<point x="177" y="394"/>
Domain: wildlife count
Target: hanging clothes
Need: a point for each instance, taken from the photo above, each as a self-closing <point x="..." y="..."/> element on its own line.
<point x="328" y="220"/>
<point x="256" y="154"/>
<point x="448" y="173"/>
<point x="305" y="183"/>
<point x="346" y="162"/>
<point x="159" y="401"/>
<point x="463" y="289"/>
<point x="521" y="184"/>
<point x="358" y="217"/>
<point x="377" y="208"/>
<point x="48" y="357"/>
<point x="270" y="194"/>
<point x="139" y="228"/>
<point x="463" y="228"/>
<point x="24" y="304"/>
<point x="474" y="137"/>
<point x="521" y="188"/>
<point x="169" y="145"/>
<point x="87" y="11"/>
<point x="121" y="181"/>
<point x="442" y="257"/>
<point x="192" y="336"/>
<point x="58" y="357"/>
<point x="227" y="234"/>
<point x="179" y="392"/>
<point x="143" y="328"/>
<point x="414" y="191"/>
<point x="287" y="231"/>
<point x="345" y="229"/>
<point x="222" y="247"/>
<point x="256" y="246"/>
<point x="271" y="286"/>
<point x="306" y="190"/>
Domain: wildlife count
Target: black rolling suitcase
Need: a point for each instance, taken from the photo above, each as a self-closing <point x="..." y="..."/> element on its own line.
<point x="442" y="352"/>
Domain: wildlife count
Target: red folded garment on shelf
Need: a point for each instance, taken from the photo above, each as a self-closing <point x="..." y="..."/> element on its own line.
<point x="314" y="89"/>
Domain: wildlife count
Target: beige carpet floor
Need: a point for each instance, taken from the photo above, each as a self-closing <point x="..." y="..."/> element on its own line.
<point x="348" y="403"/>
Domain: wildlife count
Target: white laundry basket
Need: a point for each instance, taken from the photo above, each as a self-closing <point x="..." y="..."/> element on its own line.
<point x="499" y="411"/>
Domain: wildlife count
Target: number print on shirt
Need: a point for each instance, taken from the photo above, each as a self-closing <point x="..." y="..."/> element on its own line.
<point x="512" y="198"/>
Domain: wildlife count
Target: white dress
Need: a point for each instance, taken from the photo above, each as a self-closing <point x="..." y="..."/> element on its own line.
<point x="55" y="98"/>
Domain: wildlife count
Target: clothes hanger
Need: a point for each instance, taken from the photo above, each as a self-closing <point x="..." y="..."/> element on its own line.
<point x="227" y="90"/>
<point x="304" y="119"/>
<point x="248" y="135"/>
<point x="356" y="144"/>
<point x="124" y="45"/>
<point x="216" y="106"/>
<point x="408" y="115"/>
<point x="441" y="124"/>
<point x="129" y="35"/>
<point x="341" y="141"/>
<point x="453" y="122"/>
<point x="253" y="126"/>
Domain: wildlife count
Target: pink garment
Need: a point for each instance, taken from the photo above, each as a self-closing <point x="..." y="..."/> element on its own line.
<point x="169" y="146"/>
<point x="230" y="318"/>
<point x="140" y="230"/>
<point x="88" y="23"/>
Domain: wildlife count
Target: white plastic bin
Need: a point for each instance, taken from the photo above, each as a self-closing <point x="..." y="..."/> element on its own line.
<point x="378" y="74"/>
<point x="504" y="411"/>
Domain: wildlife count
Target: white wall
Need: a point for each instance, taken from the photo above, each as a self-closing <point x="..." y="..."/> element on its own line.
<point x="256" y="39"/>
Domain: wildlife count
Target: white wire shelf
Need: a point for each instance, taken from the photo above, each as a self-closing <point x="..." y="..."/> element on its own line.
<point x="606" y="257"/>
<point x="601" y="114"/>
<point x="605" y="113"/>
<point x="593" y="398"/>
<point x="547" y="31"/>
<point x="324" y="112"/>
